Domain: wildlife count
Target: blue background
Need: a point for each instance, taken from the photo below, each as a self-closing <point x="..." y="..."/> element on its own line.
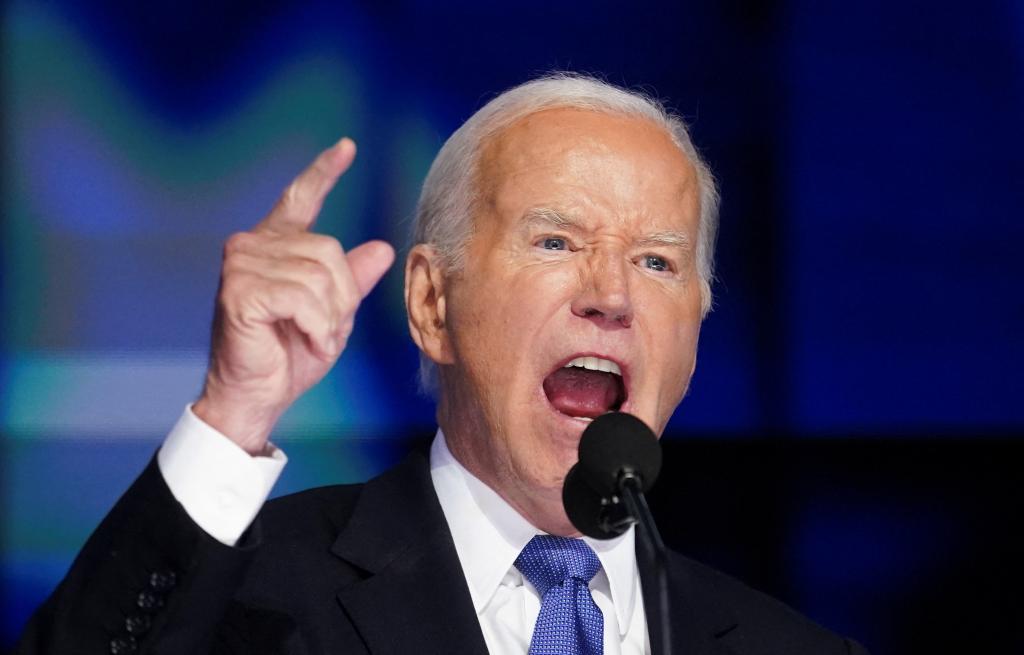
<point x="867" y="331"/>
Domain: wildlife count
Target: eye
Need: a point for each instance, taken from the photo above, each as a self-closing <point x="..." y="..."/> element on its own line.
<point x="553" y="243"/>
<point x="656" y="263"/>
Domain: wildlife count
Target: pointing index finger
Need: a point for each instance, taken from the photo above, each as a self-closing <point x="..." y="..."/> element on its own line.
<point x="297" y="208"/>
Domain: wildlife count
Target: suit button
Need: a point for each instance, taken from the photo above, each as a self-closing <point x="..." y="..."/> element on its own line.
<point x="136" y="624"/>
<point x="122" y="645"/>
<point x="162" y="581"/>
<point x="149" y="601"/>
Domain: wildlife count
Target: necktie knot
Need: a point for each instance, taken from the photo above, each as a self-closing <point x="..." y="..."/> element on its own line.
<point x="549" y="561"/>
<point x="569" y="623"/>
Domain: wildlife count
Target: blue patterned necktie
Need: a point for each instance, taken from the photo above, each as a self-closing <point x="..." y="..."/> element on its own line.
<point x="560" y="569"/>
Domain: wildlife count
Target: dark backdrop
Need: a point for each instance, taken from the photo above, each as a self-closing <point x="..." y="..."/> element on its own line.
<point x="850" y="440"/>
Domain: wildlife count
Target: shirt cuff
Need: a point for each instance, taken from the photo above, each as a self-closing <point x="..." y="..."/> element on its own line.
<point x="221" y="486"/>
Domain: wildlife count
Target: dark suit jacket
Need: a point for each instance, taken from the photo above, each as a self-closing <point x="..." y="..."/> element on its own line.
<point x="344" y="569"/>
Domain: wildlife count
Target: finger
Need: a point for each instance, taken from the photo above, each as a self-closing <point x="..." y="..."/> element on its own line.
<point x="282" y="300"/>
<point x="314" y="275"/>
<point x="320" y="248"/>
<point x="297" y="208"/>
<point x="305" y="245"/>
<point x="355" y="272"/>
<point x="249" y="299"/>
<point x="368" y="263"/>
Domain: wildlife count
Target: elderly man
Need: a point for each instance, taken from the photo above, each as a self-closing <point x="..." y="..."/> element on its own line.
<point x="561" y="269"/>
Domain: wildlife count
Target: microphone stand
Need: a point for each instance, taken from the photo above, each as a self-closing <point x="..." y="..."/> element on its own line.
<point x="636" y="507"/>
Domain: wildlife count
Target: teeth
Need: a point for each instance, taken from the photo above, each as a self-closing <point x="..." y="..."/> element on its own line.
<point x="596" y="364"/>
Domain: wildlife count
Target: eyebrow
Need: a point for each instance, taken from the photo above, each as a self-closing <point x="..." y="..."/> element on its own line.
<point x="547" y="216"/>
<point x="553" y="218"/>
<point x="670" y="238"/>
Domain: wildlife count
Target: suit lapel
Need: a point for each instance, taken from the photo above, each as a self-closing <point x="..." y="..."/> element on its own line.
<point x="698" y="621"/>
<point x="414" y="598"/>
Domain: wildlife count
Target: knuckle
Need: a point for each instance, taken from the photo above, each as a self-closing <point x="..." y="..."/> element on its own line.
<point x="235" y="284"/>
<point x="290" y="196"/>
<point x="231" y="268"/>
<point x="320" y="277"/>
<point x="278" y="295"/>
<point x="236" y="263"/>
<point x="237" y="242"/>
<point x="293" y="199"/>
<point x="328" y="248"/>
<point x="285" y="291"/>
<point x="315" y="276"/>
<point x="235" y="291"/>
<point x="301" y="295"/>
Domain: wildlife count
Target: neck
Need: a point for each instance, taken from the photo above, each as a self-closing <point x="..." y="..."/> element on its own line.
<point x="471" y="443"/>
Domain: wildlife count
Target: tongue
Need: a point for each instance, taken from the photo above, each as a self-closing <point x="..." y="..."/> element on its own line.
<point x="581" y="392"/>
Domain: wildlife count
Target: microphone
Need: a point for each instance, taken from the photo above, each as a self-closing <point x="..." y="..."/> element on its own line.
<point x="619" y="460"/>
<point x="603" y="493"/>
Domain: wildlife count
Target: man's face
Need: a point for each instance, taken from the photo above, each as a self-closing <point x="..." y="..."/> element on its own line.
<point x="583" y="246"/>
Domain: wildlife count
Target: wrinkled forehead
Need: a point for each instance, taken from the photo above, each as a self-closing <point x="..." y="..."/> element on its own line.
<point x="624" y="158"/>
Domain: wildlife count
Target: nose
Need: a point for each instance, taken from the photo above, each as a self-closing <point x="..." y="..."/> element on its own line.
<point x="604" y="295"/>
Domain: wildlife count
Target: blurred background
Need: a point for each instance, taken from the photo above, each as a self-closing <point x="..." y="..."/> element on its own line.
<point x="850" y="440"/>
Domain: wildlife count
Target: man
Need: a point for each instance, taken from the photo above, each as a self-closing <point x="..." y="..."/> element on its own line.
<point x="561" y="270"/>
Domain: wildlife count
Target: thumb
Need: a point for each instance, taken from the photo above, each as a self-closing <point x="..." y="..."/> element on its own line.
<point x="369" y="262"/>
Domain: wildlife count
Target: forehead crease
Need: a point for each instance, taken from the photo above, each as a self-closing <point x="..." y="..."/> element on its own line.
<point x="663" y="187"/>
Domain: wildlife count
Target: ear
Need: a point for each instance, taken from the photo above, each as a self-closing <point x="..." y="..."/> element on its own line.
<point x="425" y="302"/>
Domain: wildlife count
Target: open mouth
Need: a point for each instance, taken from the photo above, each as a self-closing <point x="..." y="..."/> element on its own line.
<point x="586" y="387"/>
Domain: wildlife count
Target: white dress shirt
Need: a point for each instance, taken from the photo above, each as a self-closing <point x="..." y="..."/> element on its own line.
<point x="220" y="485"/>
<point x="222" y="488"/>
<point x="489" y="535"/>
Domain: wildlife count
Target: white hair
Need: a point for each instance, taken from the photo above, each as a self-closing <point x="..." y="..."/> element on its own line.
<point x="445" y="209"/>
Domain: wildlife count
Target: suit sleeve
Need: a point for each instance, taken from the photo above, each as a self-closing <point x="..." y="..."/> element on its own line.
<point x="149" y="580"/>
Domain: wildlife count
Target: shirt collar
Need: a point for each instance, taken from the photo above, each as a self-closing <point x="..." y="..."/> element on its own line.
<point x="489" y="535"/>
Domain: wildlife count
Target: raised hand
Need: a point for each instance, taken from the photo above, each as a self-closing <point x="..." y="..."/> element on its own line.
<point x="285" y="308"/>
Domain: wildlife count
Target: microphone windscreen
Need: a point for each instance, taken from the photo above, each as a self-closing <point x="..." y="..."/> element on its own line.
<point x="615" y="443"/>
<point x="586" y="509"/>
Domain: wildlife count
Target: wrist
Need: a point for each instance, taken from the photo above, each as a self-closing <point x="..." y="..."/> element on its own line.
<point x="248" y="426"/>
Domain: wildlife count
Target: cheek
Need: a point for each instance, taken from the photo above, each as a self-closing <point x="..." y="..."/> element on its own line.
<point x="674" y="347"/>
<point x="686" y="326"/>
<point x="529" y="298"/>
<point x="499" y="323"/>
